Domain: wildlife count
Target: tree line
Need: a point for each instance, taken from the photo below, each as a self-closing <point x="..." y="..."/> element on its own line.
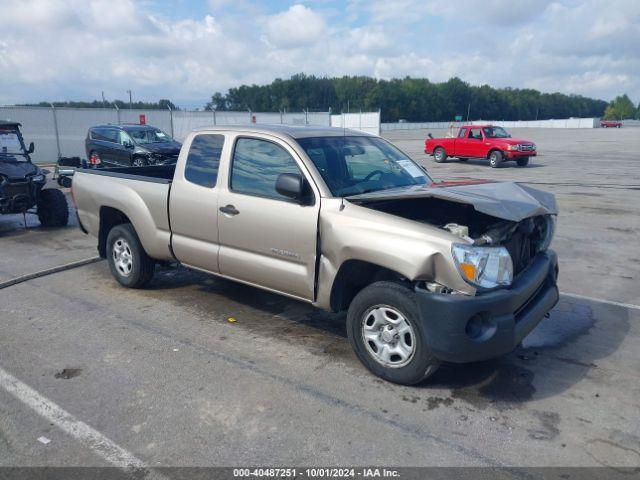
<point x="410" y="99"/>
<point x="162" y="104"/>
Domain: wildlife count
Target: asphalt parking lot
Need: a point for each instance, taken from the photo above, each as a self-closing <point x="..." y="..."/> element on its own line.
<point x="161" y="377"/>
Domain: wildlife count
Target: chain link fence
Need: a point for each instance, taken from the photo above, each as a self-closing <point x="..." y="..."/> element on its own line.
<point x="62" y="131"/>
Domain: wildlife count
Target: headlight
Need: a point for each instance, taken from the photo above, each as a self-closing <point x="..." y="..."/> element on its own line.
<point x="484" y="267"/>
<point x="549" y="231"/>
<point x="533" y="145"/>
<point x="513" y="147"/>
<point x="38" y="178"/>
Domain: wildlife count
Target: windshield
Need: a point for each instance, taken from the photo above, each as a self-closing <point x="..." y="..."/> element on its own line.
<point x="11" y="147"/>
<point x="353" y="165"/>
<point x="148" y="135"/>
<point x="495" y="132"/>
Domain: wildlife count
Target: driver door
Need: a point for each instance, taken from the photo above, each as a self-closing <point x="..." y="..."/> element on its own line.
<point x="123" y="149"/>
<point x="266" y="239"/>
<point x="471" y="146"/>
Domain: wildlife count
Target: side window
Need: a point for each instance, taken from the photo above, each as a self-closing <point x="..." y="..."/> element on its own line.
<point x="204" y="159"/>
<point x="124" y="138"/>
<point x="99" y="134"/>
<point x="256" y="166"/>
<point x="462" y="133"/>
<point x="475" y="134"/>
<point x="110" y="135"/>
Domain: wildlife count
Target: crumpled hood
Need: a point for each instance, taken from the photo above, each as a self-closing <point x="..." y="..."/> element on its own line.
<point x="17" y="170"/>
<point x="505" y="200"/>
<point x="163" y="148"/>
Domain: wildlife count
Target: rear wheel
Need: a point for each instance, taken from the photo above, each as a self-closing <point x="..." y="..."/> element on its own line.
<point x="495" y="159"/>
<point x="128" y="262"/>
<point x="522" y="161"/>
<point x="385" y="332"/>
<point x="53" y="210"/>
<point x="439" y="155"/>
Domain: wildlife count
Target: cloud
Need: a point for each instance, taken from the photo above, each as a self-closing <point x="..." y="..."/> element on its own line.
<point x="296" y="27"/>
<point x="74" y="49"/>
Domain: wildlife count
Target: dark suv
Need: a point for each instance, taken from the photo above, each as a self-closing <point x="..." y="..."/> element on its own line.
<point x="134" y="145"/>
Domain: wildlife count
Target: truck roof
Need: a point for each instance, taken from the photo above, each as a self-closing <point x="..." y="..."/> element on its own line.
<point x="293" y="131"/>
<point x="6" y="123"/>
<point x="477" y="125"/>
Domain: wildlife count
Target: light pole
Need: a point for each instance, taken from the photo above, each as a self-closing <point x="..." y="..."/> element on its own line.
<point x="130" y="100"/>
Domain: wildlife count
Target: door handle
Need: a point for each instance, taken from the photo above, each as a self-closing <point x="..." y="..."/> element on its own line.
<point x="229" y="210"/>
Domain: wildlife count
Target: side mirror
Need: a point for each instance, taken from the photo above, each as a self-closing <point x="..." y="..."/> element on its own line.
<point x="31" y="149"/>
<point x="74" y="162"/>
<point x="291" y="185"/>
<point x="128" y="145"/>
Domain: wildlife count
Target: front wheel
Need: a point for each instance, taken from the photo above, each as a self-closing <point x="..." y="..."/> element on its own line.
<point x="53" y="210"/>
<point x="128" y="262"/>
<point x="495" y="159"/>
<point x="384" y="329"/>
<point x="522" y="161"/>
<point x="439" y="155"/>
<point x="139" y="162"/>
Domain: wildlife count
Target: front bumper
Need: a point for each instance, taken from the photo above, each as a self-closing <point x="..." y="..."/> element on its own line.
<point x="17" y="197"/>
<point x="519" y="154"/>
<point x="464" y="329"/>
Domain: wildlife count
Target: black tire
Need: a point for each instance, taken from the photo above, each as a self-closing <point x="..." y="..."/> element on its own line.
<point x="141" y="265"/>
<point x="53" y="210"/>
<point x="522" y="161"/>
<point x="440" y="155"/>
<point x="495" y="159"/>
<point x="422" y="363"/>
<point x="139" y="161"/>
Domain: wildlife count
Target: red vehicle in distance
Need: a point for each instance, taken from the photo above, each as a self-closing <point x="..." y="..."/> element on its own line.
<point x="610" y="124"/>
<point x="481" y="141"/>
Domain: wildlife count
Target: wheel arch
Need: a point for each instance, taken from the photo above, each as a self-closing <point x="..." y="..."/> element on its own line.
<point x="354" y="275"/>
<point x="109" y="218"/>
<point x="494" y="149"/>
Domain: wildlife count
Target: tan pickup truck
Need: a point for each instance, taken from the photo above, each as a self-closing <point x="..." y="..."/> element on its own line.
<point x="428" y="272"/>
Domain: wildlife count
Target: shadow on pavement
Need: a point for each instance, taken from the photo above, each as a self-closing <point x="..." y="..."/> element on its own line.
<point x="557" y="354"/>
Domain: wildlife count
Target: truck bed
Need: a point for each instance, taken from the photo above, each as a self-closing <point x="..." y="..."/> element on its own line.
<point x="141" y="194"/>
<point x="151" y="173"/>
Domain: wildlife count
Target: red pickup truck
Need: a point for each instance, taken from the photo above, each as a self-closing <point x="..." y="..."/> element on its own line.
<point x="481" y="141"/>
<point x="610" y="124"/>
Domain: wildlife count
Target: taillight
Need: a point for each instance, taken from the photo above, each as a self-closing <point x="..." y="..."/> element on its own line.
<point x="94" y="159"/>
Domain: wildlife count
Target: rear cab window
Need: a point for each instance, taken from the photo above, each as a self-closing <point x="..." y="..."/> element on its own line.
<point x="462" y="133"/>
<point x="203" y="161"/>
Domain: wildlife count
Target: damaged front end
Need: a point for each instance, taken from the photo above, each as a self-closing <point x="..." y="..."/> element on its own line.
<point x="504" y="232"/>
<point x="502" y="226"/>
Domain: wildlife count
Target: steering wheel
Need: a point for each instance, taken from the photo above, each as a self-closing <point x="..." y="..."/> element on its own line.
<point x="371" y="174"/>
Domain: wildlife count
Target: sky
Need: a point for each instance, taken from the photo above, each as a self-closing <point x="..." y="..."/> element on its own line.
<point x="186" y="50"/>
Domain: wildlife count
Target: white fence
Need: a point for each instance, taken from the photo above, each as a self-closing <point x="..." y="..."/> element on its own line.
<point x="62" y="131"/>
<point x="368" y="122"/>
<point x="563" y="123"/>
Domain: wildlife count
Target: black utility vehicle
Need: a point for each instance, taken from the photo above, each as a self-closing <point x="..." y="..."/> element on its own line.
<point x="130" y="145"/>
<point x="22" y="182"/>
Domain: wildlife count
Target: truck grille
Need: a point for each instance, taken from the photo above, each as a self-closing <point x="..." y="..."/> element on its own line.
<point x="10" y="190"/>
<point x="525" y="242"/>
<point x="526" y="148"/>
